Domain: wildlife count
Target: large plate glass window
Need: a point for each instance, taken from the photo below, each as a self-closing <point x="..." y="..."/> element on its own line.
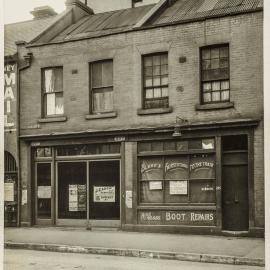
<point x="155" y="81"/>
<point x="215" y="74"/>
<point x="52" y="89"/>
<point x="101" y="74"/>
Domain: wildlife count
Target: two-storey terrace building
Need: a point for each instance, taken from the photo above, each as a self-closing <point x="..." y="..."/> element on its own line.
<point x="148" y="118"/>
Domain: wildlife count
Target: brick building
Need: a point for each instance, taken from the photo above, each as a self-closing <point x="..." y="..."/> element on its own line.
<point x="148" y="118"/>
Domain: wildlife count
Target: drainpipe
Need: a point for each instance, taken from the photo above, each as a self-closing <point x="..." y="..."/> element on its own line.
<point x="27" y="63"/>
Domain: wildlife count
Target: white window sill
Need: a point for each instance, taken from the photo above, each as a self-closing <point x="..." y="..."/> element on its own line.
<point x="214" y="106"/>
<point x="50" y="119"/>
<point x="101" y="115"/>
<point x="154" y="111"/>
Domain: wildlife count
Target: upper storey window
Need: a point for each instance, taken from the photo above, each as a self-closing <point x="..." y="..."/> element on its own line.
<point x="155" y="81"/>
<point x="52" y="90"/>
<point x="101" y="74"/>
<point x="215" y="75"/>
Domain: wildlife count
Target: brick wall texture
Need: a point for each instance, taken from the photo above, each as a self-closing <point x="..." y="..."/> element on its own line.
<point x="244" y="33"/>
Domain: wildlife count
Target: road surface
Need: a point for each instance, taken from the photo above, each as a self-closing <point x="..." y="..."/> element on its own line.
<point x="40" y="260"/>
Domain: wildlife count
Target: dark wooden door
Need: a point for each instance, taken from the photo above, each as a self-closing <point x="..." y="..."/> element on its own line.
<point x="104" y="189"/>
<point x="235" y="210"/>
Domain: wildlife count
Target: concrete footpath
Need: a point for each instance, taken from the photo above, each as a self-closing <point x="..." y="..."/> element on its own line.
<point x="197" y="248"/>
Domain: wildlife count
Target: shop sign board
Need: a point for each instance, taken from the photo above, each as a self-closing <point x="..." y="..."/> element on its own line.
<point x="104" y="194"/>
<point x="155" y="185"/>
<point x="181" y="217"/>
<point x="178" y="187"/>
<point x="44" y="192"/>
<point x="9" y="192"/>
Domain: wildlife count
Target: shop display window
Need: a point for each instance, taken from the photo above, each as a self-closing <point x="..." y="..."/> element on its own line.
<point x="188" y="178"/>
<point x="44" y="190"/>
<point x="43" y="152"/>
<point x="72" y="199"/>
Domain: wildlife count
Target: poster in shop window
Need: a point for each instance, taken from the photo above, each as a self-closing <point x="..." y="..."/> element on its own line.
<point x="104" y="194"/>
<point x="77" y="198"/>
<point x="44" y="192"/>
<point x="178" y="188"/>
<point x="155" y="185"/>
<point x="9" y="192"/>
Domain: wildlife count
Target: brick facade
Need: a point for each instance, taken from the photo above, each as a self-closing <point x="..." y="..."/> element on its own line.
<point x="243" y="33"/>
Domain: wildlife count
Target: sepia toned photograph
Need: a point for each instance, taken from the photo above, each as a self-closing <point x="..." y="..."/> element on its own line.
<point x="134" y="135"/>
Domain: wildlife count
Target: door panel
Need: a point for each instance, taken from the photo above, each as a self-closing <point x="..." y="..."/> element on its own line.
<point x="235" y="197"/>
<point x="104" y="190"/>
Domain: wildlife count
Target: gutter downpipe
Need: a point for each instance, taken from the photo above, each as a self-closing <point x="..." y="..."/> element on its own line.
<point x="28" y="60"/>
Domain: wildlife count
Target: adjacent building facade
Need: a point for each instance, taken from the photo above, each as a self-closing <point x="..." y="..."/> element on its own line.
<point x="146" y="119"/>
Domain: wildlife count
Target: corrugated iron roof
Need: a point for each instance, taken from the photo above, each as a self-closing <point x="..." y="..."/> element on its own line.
<point x="104" y="23"/>
<point x="23" y="31"/>
<point x="184" y="10"/>
<point x="180" y="11"/>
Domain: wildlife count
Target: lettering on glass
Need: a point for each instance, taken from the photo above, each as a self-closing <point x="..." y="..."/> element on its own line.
<point x="104" y="194"/>
<point x="9" y="95"/>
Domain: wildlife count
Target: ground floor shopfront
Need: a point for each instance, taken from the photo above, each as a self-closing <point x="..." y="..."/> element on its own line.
<point x="148" y="180"/>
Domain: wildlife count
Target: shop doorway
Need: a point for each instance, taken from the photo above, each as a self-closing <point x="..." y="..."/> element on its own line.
<point x="235" y="203"/>
<point x="104" y="192"/>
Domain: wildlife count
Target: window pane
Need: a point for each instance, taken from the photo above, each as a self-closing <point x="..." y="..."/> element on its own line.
<point x="148" y="81"/>
<point x="214" y="53"/>
<point x="58" y="79"/>
<point x="108" y="100"/>
<point x="148" y="195"/>
<point x="96" y="74"/>
<point x="202" y="166"/>
<point x="225" y="95"/>
<point x="152" y="169"/>
<point x="171" y="190"/>
<point x="98" y="102"/>
<point x="156" y="81"/>
<point x="59" y="106"/>
<point x="49" y="82"/>
<point x="207" y="86"/>
<point x="103" y="100"/>
<point x="149" y="93"/>
<point x="144" y="147"/>
<point x="182" y="146"/>
<point x="214" y="63"/>
<point x="224" y="52"/>
<point x="50" y="104"/>
<point x="157" y="146"/>
<point x="148" y="61"/>
<point x="156" y="60"/>
<point x="156" y="70"/>
<point x="157" y="92"/>
<point x="164" y="59"/>
<point x="164" y="80"/>
<point x="169" y="146"/>
<point x="164" y="69"/>
<point x="195" y="144"/>
<point x="215" y="96"/>
<point x="206" y="54"/>
<point x="202" y="191"/>
<point x="207" y="97"/>
<point x="206" y="64"/>
<point x="40" y="152"/>
<point x="165" y="92"/>
<point x="215" y="86"/>
<point x="225" y="85"/>
<point x="224" y="63"/>
<point x="177" y="168"/>
<point x="148" y="71"/>
<point x="208" y="144"/>
<point x="107" y="73"/>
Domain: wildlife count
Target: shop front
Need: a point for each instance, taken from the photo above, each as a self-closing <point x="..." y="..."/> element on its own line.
<point x="77" y="185"/>
<point x="201" y="182"/>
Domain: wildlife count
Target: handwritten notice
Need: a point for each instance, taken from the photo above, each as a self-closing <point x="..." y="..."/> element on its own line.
<point x="24" y="196"/>
<point x="178" y="187"/>
<point x="73" y="198"/>
<point x="44" y="192"/>
<point x="128" y="198"/>
<point x="104" y="194"/>
<point x="9" y="192"/>
<point x="155" y="185"/>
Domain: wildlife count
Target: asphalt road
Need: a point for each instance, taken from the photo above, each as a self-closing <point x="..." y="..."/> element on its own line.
<point x="40" y="260"/>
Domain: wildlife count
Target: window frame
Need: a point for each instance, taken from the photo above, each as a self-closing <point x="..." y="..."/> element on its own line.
<point x="202" y="102"/>
<point x="92" y="89"/>
<point x="152" y="87"/>
<point x="44" y="94"/>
